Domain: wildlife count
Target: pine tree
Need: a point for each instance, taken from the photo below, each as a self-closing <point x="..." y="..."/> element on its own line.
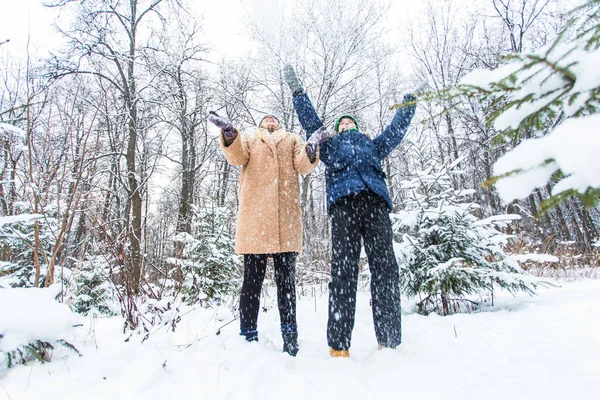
<point x="90" y="288"/>
<point x="552" y="95"/>
<point x="209" y="266"/>
<point x="37" y="350"/>
<point x="447" y="253"/>
<point x="17" y="240"/>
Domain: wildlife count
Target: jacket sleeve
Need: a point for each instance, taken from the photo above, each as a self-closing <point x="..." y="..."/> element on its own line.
<point x="310" y="121"/>
<point x="237" y="152"/>
<point x="391" y="137"/>
<point x="307" y="115"/>
<point x="302" y="162"/>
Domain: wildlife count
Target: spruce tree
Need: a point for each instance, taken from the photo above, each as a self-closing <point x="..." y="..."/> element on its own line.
<point x="546" y="104"/>
<point x="17" y="239"/>
<point x="448" y="254"/>
<point x="209" y="266"/>
<point x="90" y="288"/>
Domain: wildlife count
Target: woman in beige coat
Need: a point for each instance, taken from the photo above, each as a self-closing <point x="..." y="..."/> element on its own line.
<point x="269" y="221"/>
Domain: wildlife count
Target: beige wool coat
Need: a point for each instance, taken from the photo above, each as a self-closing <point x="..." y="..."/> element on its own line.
<point x="269" y="218"/>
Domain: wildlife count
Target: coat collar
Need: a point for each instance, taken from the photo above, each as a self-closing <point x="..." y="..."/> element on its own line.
<point x="272" y="139"/>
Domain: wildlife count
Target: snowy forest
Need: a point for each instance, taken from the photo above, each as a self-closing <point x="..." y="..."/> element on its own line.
<point x="118" y="207"/>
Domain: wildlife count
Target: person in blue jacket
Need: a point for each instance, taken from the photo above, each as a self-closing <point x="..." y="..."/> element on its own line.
<point x="359" y="204"/>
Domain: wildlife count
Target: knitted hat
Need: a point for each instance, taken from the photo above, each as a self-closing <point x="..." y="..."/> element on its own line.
<point x="337" y="121"/>
<point x="268" y="115"/>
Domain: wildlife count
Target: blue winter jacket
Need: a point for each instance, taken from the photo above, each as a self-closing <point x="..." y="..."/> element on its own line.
<point x="353" y="160"/>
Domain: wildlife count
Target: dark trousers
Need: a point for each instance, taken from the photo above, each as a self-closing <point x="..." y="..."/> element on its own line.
<point x="255" y="266"/>
<point x="363" y="215"/>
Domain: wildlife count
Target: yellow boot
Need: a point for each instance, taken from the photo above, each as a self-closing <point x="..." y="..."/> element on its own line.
<point x="339" y="353"/>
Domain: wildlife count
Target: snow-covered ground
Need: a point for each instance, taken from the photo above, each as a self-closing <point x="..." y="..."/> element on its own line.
<point x="542" y="347"/>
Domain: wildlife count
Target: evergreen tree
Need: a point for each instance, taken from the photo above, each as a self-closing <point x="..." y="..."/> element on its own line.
<point x="209" y="266"/>
<point x="553" y="95"/>
<point x="90" y="288"/>
<point x="447" y="252"/>
<point x="17" y="240"/>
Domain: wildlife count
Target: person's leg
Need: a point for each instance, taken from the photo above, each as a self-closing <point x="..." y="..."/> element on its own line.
<point x="385" y="278"/>
<point x="345" y="237"/>
<point x="285" y="276"/>
<point x="255" y="266"/>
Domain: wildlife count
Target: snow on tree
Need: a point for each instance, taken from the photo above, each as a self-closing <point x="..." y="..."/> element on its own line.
<point x="447" y="253"/>
<point x="550" y="99"/>
<point x="208" y="266"/>
<point x="36" y="337"/>
<point x="17" y="238"/>
<point x="90" y="288"/>
<point x="8" y="130"/>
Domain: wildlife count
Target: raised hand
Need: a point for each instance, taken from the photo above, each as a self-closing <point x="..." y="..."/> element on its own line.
<point x="319" y="136"/>
<point x="406" y="109"/>
<point x="292" y="80"/>
<point x="223" y="123"/>
<point x="409" y="97"/>
<point x="423" y="87"/>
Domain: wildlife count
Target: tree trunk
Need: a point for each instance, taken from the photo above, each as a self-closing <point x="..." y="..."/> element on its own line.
<point x="489" y="194"/>
<point x="566" y="234"/>
<point x="532" y="206"/>
<point x="224" y="183"/>
<point x="135" y="196"/>
<point x="585" y="240"/>
<point x="184" y="222"/>
<point x="589" y="224"/>
<point x="135" y="200"/>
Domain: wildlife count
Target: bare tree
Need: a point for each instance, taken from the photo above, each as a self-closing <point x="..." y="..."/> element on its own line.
<point x="107" y="41"/>
<point x="184" y="92"/>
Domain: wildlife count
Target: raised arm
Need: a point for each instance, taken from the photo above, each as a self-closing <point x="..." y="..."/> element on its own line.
<point x="234" y="148"/>
<point x="236" y="152"/>
<point x="391" y="137"/>
<point x="307" y="115"/>
<point x="316" y="132"/>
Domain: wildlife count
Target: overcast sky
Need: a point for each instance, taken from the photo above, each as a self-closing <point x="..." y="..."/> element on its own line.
<point x="20" y="19"/>
<point x="222" y="24"/>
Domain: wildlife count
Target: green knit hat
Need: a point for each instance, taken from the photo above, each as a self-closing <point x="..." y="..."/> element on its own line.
<point x="337" y="121"/>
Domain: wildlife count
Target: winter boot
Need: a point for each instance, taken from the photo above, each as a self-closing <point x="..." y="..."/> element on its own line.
<point x="339" y="353"/>
<point x="290" y="343"/>
<point x="289" y="333"/>
<point x="250" y="334"/>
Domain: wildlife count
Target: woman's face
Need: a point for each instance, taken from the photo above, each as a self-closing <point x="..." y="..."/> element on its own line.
<point x="270" y="122"/>
<point x="345" y="124"/>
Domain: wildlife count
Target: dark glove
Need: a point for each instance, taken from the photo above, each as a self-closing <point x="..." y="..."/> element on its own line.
<point x="406" y="111"/>
<point x="318" y="136"/>
<point x="292" y="80"/>
<point x="409" y="98"/>
<point x="311" y="152"/>
<point x="223" y="123"/>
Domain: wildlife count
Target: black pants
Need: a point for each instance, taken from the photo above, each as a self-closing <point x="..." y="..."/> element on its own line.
<point x="255" y="266"/>
<point x="363" y="215"/>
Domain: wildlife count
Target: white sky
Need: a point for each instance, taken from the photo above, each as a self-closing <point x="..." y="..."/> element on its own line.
<point x="222" y="24"/>
<point x="22" y="18"/>
<point x="18" y="18"/>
